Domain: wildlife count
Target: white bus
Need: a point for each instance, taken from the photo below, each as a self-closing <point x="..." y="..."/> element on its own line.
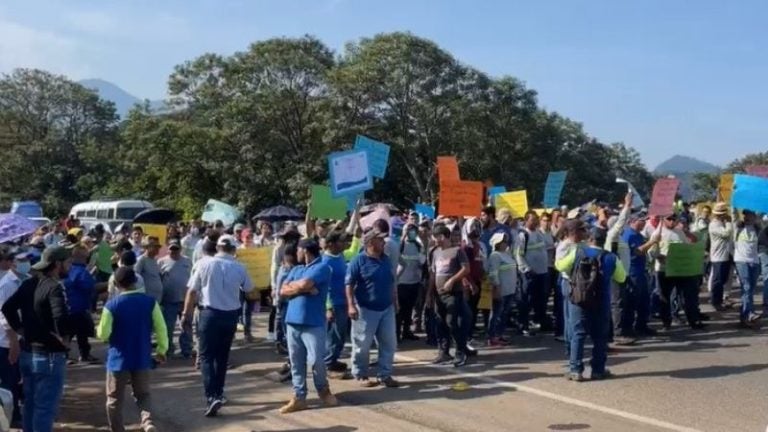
<point x="108" y="212"/>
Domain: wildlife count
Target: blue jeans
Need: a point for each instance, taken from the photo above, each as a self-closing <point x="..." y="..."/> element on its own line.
<point x="720" y="271"/>
<point x="337" y="334"/>
<point x="558" y="305"/>
<point x="216" y="331"/>
<point x="370" y="324"/>
<point x="641" y="300"/>
<point x="306" y="348"/>
<point x="594" y="323"/>
<point x="10" y="378"/>
<point x="748" y="273"/>
<point x="171" y="313"/>
<point x="246" y="318"/>
<point x="500" y="309"/>
<point x="43" y="375"/>
<point x="764" y="273"/>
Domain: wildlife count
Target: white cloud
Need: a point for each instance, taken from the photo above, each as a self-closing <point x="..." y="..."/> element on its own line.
<point x="22" y="46"/>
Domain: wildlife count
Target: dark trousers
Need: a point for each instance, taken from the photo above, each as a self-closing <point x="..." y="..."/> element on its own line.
<point x="720" y="272"/>
<point x="558" y="305"/>
<point x="10" y="379"/>
<point x="538" y="293"/>
<point x="407" y="294"/>
<point x="217" y="330"/>
<point x="621" y="309"/>
<point x="450" y="308"/>
<point x="82" y="329"/>
<point x="687" y="287"/>
<point x="640" y="300"/>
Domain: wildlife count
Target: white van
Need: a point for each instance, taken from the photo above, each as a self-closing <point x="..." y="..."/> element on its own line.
<point x="108" y="212"/>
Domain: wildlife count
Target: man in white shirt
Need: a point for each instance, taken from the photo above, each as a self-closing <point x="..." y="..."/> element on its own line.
<point x="9" y="367"/>
<point x="533" y="261"/>
<point x="721" y="245"/>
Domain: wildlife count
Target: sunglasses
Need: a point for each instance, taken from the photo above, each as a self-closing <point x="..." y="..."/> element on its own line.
<point x="670" y="218"/>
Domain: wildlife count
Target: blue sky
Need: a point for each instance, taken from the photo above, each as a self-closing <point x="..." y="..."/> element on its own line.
<point x="666" y="77"/>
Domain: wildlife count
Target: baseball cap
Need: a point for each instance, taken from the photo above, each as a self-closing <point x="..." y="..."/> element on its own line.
<point x="496" y="239"/>
<point x="638" y="216"/>
<point x="51" y="255"/>
<point x="149" y="241"/>
<point x="373" y="233"/>
<point x="174" y="244"/>
<point x="227" y="241"/>
<point x="238" y="227"/>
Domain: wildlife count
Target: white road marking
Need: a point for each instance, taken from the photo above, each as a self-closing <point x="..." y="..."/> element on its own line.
<point x="556" y="397"/>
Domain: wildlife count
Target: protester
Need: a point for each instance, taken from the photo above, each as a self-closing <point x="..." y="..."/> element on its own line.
<point x="477" y="256"/>
<point x="149" y="270"/>
<point x="175" y="270"/>
<point x="372" y="302"/>
<point x="531" y="255"/>
<point x="215" y="286"/>
<point x="80" y="288"/>
<point x="9" y="367"/>
<point x="189" y="242"/>
<point x="127" y="259"/>
<point x="502" y="272"/>
<point x="336" y="305"/>
<point x="546" y="227"/>
<point x="306" y="326"/>
<point x="137" y="237"/>
<point x="491" y="226"/>
<point x="747" y="262"/>
<point x="38" y="312"/>
<point x="127" y="324"/>
<point x="289" y="265"/>
<point x="409" y="280"/>
<point x="637" y="313"/>
<point x="721" y="238"/>
<point x="589" y="319"/>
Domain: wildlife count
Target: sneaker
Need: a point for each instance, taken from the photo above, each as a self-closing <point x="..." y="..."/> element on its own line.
<point x="249" y="339"/>
<point x="328" y="398"/>
<point x="624" y="340"/>
<point x="470" y="351"/>
<point x="494" y="343"/>
<point x="213" y="408"/>
<point x="281" y="349"/>
<point x="293" y="405"/>
<point x="89" y="359"/>
<point x="461" y="359"/>
<point x="754" y="317"/>
<point x="271" y="337"/>
<point x="223" y="400"/>
<point x="529" y="333"/>
<point x="389" y="382"/>
<point x="505" y="341"/>
<point x="442" y="358"/>
<point x="575" y="377"/>
<point x="367" y="383"/>
<point x="560" y="338"/>
<point x="646" y="331"/>
<point x="599" y="376"/>
<point x="285" y="377"/>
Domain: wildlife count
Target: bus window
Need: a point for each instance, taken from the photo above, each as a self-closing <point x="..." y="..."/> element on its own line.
<point x="111" y="214"/>
<point x="102" y="214"/>
<point x="90" y="213"/>
<point x="128" y="213"/>
<point x="80" y="214"/>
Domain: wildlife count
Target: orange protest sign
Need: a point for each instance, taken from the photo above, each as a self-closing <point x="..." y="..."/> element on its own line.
<point x="448" y="169"/>
<point x="663" y="197"/>
<point x="460" y="198"/>
<point x="725" y="189"/>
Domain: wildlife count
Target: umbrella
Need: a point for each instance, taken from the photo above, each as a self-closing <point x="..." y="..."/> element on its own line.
<point x="279" y="214"/>
<point x="155" y="216"/>
<point x="13" y="227"/>
<point x="373" y="207"/>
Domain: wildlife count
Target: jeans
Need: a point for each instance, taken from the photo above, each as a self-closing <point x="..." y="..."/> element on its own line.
<point x="538" y="292"/>
<point x="720" y="273"/>
<point x="10" y="379"/>
<point x="565" y="291"/>
<point x="337" y="334"/>
<point x="621" y="309"/>
<point x="171" y="314"/>
<point x="407" y="294"/>
<point x="522" y="300"/>
<point x="246" y="317"/>
<point x="43" y="376"/>
<point x="116" y="384"/>
<point x="450" y="308"/>
<point x="280" y="327"/>
<point x="558" y="305"/>
<point x="690" y="293"/>
<point x="306" y="348"/>
<point x="595" y="323"/>
<point x="501" y="308"/>
<point x="216" y="331"/>
<point x="370" y="324"/>
<point x="641" y="300"/>
<point x="748" y="273"/>
<point x="764" y="273"/>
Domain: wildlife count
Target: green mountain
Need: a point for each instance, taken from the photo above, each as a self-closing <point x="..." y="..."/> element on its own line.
<point x="684" y="168"/>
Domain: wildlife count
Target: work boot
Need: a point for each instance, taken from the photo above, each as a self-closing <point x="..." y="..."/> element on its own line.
<point x="293" y="405"/>
<point x="328" y="398"/>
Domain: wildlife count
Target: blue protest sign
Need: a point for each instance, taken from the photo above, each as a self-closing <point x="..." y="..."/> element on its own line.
<point x="378" y="155"/>
<point x="349" y="173"/>
<point x="750" y="193"/>
<point x="553" y="188"/>
<point x="492" y="192"/>
<point x="424" y="210"/>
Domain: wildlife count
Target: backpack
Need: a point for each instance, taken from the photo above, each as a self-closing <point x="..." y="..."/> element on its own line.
<point x="586" y="280"/>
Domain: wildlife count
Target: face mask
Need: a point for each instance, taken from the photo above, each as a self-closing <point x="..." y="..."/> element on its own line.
<point x="23" y="267"/>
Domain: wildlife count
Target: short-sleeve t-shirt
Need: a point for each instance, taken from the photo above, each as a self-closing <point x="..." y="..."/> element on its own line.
<point x="309" y="310"/>
<point x="446" y="263"/>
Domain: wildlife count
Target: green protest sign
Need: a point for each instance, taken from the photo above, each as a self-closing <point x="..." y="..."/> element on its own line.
<point x="685" y="259"/>
<point x="324" y="206"/>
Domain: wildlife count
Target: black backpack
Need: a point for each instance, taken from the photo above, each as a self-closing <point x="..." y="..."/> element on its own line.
<point x="586" y="280"/>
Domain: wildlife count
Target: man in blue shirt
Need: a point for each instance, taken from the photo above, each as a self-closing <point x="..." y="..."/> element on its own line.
<point x="336" y="305"/>
<point x="491" y="226"/>
<point x="372" y="300"/>
<point x="80" y="287"/>
<point x="639" y="307"/>
<point x="307" y="289"/>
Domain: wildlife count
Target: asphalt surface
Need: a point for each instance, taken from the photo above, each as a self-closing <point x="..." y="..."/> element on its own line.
<point x="714" y="380"/>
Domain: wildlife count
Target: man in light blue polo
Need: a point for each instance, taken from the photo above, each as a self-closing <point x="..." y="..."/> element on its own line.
<point x="307" y="289"/>
<point x="215" y="287"/>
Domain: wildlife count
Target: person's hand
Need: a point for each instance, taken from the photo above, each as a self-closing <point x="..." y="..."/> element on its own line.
<point x="628" y="199"/>
<point x="329" y="315"/>
<point x="353" y="313"/>
<point x="186" y="321"/>
<point x="13" y="351"/>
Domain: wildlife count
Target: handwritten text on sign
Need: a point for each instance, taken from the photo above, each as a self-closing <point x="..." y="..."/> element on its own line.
<point x="663" y="197"/>
<point x="257" y="262"/>
<point x="460" y="198"/>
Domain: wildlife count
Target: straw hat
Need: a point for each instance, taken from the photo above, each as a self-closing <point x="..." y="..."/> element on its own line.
<point x="720" y="209"/>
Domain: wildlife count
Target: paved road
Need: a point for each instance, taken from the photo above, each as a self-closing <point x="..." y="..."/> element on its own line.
<point x="714" y="381"/>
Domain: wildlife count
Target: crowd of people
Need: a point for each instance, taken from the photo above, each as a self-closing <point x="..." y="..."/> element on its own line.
<point x="460" y="284"/>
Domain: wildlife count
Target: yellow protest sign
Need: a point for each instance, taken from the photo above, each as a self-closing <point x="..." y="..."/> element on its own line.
<point x="258" y="262"/>
<point x="155" y="230"/>
<point x="725" y="189"/>
<point x="516" y="202"/>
